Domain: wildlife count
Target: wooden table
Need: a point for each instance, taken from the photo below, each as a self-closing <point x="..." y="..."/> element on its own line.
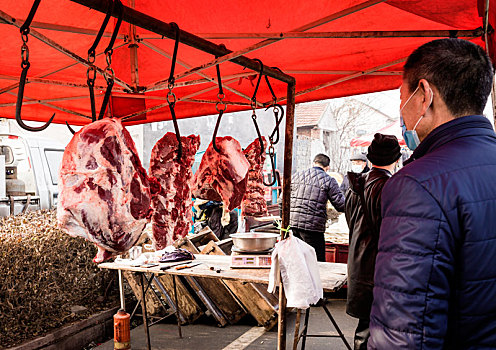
<point x="333" y="275"/>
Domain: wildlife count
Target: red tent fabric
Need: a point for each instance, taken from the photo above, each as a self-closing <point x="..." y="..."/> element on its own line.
<point x="339" y="66"/>
<point x="392" y="129"/>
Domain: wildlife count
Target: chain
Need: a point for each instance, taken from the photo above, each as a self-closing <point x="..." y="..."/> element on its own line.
<point x="221" y="106"/>
<point x="24" y="50"/>
<point x="171" y="97"/>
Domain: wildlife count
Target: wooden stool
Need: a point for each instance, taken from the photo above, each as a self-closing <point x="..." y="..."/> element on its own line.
<point x="303" y="335"/>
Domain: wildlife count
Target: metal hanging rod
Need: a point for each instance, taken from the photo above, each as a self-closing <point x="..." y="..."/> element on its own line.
<point x="350" y="35"/>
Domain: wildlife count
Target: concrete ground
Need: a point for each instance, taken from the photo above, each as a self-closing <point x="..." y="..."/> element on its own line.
<point x="244" y="335"/>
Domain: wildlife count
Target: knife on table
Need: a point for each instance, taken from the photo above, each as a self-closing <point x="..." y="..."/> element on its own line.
<point x="176" y="264"/>
<point x="187" y="266"/>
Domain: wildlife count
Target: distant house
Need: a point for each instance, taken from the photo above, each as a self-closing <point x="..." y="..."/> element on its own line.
<point x="316" y="132"/>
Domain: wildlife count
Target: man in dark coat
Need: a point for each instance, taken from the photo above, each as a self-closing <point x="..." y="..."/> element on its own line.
<point x="359" y="165"/>
<point x="363" y="215"/>
<point x="435" y="273"/>
<point x="310" y="191"/>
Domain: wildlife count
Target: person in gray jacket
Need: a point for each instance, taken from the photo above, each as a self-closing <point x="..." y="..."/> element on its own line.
<point x="310" y="191"/>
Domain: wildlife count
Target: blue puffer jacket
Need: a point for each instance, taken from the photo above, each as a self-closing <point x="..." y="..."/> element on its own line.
<point x="310" y="191"/>
<point x="435" y="274"/>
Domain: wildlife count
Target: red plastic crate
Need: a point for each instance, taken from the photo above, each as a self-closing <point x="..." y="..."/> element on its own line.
<point x="337" y="253"/>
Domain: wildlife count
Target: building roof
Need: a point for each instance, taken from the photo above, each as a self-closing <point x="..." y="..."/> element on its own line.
<point x="309" y="114"/>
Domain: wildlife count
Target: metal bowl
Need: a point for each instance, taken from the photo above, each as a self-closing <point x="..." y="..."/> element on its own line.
<point x="254" y="241"/>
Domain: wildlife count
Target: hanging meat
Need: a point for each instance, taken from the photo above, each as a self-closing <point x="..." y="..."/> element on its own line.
<point x="171" y="198"/>
<point x="254" y="203"/>
<point x="104" y="192"/>
<point x="222" y="175"/>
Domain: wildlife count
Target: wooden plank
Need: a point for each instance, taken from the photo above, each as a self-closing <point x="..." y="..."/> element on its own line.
<point x="332" y="275"/>
<point x="224" y="245"/>
<point x="203" y="237"/>
<point x="222" y="297"/>
<point x="263" y="312"/>
<point x="253" y="300"/>
<point x="79" y="333"/>
<point x="185" y="243"/>
<point x="219" y="294"/>
<point x="188" y="306"/>
<point x="153" y="304"/>
<point x="207" y="300"/>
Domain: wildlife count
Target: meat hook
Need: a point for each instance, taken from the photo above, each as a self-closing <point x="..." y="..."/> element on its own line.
<point x="171" y="97"/>
<point x="277" y="108"/>
<point x="25" y="67"/>
<point x="274" y="175"/>
<point x="70" y="129"/>
<point x="108" y="73"/>
<point x="91" y="71"/>
<point x="219" y="106"/>
<point x="254" y="107"/>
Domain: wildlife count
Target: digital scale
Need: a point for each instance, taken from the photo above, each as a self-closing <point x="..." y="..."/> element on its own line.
<point x="251" y="260"/>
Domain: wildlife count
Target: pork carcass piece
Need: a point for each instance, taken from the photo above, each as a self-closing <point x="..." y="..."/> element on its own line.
<point x="104" y="192"/>
<point x="222" y="176"/>
<point x="171" y="201"/>
<point x="254" y="203"/>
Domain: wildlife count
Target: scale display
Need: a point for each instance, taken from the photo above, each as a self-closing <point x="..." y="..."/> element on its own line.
<point x="250" y="261"/>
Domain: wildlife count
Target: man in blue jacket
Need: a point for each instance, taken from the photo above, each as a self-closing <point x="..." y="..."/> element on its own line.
<point x="435" y="274"/>
<point x="310" y="191"/>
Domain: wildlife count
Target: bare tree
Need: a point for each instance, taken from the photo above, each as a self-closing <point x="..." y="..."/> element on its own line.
<point x="353" y="118"/>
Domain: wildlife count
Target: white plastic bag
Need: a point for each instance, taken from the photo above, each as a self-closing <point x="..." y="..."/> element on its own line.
<point x="297" y="263"/>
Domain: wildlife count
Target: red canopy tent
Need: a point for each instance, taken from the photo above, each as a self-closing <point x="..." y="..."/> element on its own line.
<point x="332" y="48"/>
<point x="392" y="129"/>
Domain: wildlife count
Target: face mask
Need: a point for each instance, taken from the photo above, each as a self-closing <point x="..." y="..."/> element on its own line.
<point x="356" y="168"/>
<point x="410" y="136"/>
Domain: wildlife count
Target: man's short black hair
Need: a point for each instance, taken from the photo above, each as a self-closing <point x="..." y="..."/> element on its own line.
<point x="459" y="69"/>
<point x="322" y="159"/>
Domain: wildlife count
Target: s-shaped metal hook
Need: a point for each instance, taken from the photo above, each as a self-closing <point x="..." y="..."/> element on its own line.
<point x="25" y="67"/>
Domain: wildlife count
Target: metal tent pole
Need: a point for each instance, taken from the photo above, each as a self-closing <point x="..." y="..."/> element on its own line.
<point x="286" y="200"/>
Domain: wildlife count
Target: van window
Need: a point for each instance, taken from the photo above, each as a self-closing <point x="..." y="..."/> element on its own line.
<point x="7" y="152"/>
<point x="54" y="158"/>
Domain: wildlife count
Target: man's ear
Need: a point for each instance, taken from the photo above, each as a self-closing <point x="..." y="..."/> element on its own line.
<point x="428" y="95"/>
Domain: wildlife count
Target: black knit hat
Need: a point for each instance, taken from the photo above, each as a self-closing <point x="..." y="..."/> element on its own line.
<point x="384" y="150"/>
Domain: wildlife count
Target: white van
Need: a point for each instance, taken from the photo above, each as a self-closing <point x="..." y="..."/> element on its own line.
<point x="35" y="161"/>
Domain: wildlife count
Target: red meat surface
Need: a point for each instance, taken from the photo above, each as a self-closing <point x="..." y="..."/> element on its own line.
<point x="222" y="175"/>
<point x="171" y="198"/>
<point x="104" y="192"/>
<point x="254" y="203"/>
